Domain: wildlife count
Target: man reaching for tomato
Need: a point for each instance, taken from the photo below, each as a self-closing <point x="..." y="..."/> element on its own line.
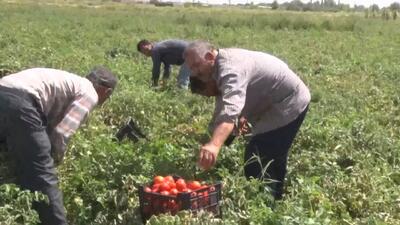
<point x="252" y="87"/>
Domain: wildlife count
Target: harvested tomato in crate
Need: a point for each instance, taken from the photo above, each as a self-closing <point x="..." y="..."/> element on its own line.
<point x="171" y="194"/>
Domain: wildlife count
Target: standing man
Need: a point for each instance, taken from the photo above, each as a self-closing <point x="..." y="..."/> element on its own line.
<point x="169" y="52"/>
<point x="40" y="109"/>
<point x="255" y="88"/>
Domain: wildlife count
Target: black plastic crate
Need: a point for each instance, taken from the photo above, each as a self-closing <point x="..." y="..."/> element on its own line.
<point x="207" y="199"/>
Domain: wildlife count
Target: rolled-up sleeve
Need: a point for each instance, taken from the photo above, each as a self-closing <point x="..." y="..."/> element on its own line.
<point x="156" y="65"/>
<point x="75" y="115"/>
<point x="233" y="97"/>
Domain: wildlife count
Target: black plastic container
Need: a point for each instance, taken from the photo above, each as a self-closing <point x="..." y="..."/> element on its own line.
<point x="207" y="199"/>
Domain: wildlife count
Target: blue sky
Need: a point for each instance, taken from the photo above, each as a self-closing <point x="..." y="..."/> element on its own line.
<point x="381" y="3"/>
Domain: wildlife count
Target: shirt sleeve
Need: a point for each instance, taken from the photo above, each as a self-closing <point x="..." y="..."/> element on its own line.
<point x="233" y="96"/>
<point x="167" y="71"/>
<point x="156" y="66"/>
<point x="76" y="114"/>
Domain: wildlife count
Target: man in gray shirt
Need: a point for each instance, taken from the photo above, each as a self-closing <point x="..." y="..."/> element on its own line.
<point x="250" y="88"/>
<point x="169" y="52"/>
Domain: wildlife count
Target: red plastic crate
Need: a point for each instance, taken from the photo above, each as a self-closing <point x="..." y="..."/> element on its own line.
<point x="207" y="199"/>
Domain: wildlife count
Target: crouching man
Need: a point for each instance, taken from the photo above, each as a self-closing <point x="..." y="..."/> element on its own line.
<point x="40" y="109"/>
<point x="250" y="87"/>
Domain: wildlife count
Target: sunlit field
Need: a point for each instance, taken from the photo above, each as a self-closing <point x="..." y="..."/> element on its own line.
<point x="343" y="168"/>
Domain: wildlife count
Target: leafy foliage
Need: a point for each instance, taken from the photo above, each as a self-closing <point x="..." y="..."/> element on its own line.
<point x="343" y="167"/>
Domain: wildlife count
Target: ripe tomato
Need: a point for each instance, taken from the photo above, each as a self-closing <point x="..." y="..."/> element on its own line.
<point x="155" y="188"/>
<point x="203" y="186"/>
<point x="194" y="185"/>
<point x="172" y="185"/>
<point x="173" y="207"/>
<point x="164" y="192"/>
<point x="147" y="189"/>
<point x="173" y="191"/>
<point x="164" y="187"/>
<point x="169" y="178"/>
<point x="180" y="184"/>
<point x="158" y="179"/>
<point x="186" y="190"/>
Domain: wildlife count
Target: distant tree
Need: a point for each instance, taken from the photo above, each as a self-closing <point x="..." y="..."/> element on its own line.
<point x="359" y="8"/>
<point x="329" y="3"/>
<point x="275" y="5"/>
<point x="385" y="14"/>
<point x="395" y="6"/>
<point x="375" y="8"/>
<point x="295" y="5"/>
<point x="394" y="15"/>
<point x="366" y="13"/>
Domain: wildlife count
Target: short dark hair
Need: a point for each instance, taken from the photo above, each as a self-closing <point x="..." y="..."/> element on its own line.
<point x="102" y="76"/>
<point x="141" y="43"/>
<point x="196" y="85"/>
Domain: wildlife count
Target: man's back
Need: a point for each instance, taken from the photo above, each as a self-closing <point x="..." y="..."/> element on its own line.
<point x="170" y="51"/>
<point x="270" y="94"/>
<point x="53" y="89"/>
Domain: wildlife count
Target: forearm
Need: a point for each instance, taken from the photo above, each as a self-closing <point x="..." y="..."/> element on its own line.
<point x="221" y="133"/>
<point x="167" y="71"/>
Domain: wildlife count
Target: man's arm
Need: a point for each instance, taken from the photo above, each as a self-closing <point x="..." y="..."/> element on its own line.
<point x="156" y="68"/>
<point x="76" y="114"/>
<point x="167" y="71"/>
<point x="209" y="152"/>
<point x="228" y="108"/>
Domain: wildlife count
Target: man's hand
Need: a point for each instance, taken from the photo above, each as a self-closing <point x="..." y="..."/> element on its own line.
<point x="58" y="147"/>
<point x="243" y="126"/>
<point x="208" y="155"/>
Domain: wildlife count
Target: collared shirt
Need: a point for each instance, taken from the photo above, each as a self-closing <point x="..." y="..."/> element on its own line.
<point x="258" y="86"/>
<point x="64" y="98"/>
<point x="169" y="52"/>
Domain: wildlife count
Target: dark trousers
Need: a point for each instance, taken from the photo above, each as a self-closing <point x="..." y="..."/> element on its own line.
<point x="23" y="128"/>
<point x="272" y="147"/>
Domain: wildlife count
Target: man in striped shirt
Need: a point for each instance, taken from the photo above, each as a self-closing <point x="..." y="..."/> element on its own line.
<point x="250" y="88"/>
<point x="40" y="109"/>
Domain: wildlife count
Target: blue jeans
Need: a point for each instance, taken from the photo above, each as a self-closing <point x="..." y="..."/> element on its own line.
<point x="184" y="76"/>
<point x="272" y="146"/>
<point x="23" y="127"/>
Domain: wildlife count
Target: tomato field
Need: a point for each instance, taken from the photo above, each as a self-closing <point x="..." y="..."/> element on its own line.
<point x="344" y="167"/>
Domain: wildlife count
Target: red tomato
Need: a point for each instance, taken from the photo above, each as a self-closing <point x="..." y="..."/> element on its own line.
<point x="203" y="186"/>
<point x="173" y="207"/>
<point x="164" y="187"/>
<point x="169" y="179"/>
<point x="194" y="185"/>
<point x="173" y="191"/>
<point x="164" y="192"/>
<point x="172" y="185"/>
<point x="158" y="179"/>
<point x="180" y="184"/>
<point x="194" y="205"/>
<point x="155" y="188"/>
<point x="147" y="189"/>
<point x="186" y="190"/>
<point x="204" y="200"/>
